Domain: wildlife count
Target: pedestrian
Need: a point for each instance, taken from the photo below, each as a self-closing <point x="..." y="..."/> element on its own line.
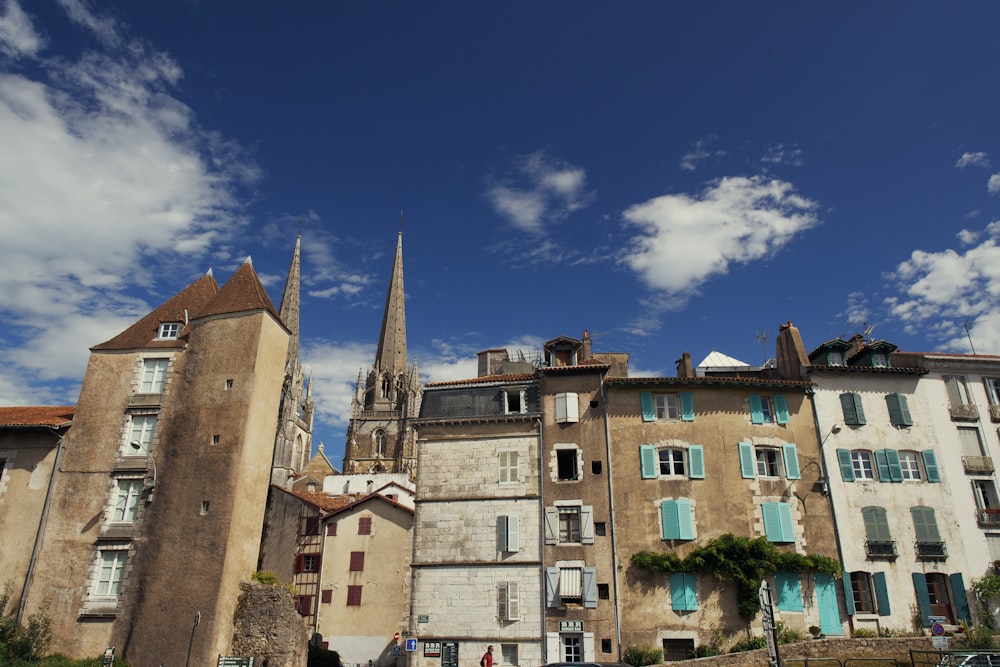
<point x="487" y="659"/>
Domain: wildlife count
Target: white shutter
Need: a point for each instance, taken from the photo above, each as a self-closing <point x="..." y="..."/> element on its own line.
<point x="587" y="524"/>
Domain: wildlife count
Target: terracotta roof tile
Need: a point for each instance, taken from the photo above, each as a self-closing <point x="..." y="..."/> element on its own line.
<point x="57" y="417"/>
<point x="324" y="500"/>
<point x="517" y="377"/>
<point x="243" y="292"/>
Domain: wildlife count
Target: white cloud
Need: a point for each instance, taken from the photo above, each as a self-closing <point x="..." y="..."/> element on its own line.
<point x="940" y="291"/>
<point x="967" y="237"/>
<point x="699" y="152"/>
<point x="979" y="159"/>
<point x="17" y="35"/>
<point x="544" y="190"/>
<point x="686" y="240"/>
<point x="856" y="311"/>
<point x="782" y="154"/>
<point x="993" y="185"/>
<point x="106" y="183"/>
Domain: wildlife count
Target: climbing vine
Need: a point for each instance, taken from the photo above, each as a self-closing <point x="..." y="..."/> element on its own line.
<point x="741" y="560"/>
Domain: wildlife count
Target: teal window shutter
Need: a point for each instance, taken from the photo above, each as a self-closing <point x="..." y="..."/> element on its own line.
<point x="848" y="592"/>
<point x="895" y="470"/>
<point x="882" y="461"/>
<point x="881" y="594"/>
<point x="648" y="461"/>
<point x="748" y="466"/>
<point x="923" y="598"/>
<point x="648" y="409"/>
<point x="846" y="466"/>
<point x="931" y="466"/>
<point x="780" y="408"/>
<point x="685" y="519"/>
<point x="791" y="456"/>
<point x="669" y="514"/>
<point x="687" y="406"/>
<point x="899" y="410"/>
<point x="683" y="596"/>
<point x="961" y="597"/>
<point x="696" y="462"/>
<point x="756" y="412"/>
<point x="787" y="525"/>
<point x="854" y="413"/>
<point x="789" y="591"/>
<point x="876" y="524"/>
<point x="778" y="525"/>
<point x="924" y="524"/>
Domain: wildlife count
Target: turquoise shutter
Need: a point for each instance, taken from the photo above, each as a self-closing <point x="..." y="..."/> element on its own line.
<point x="687" y="406"/>
<point x="789" y="591"/>
<point x="924" y="524"/>
<point x="648" y="409"/>
<point x="923" y="599"/>
<point x="685" y="519"/>
<point x="961" y="598"/>
<point x="683" y="596"/>
<point x="931" y="466"/>
<point x="881" y="594"/>
<point x="671" y="520"/>
<point x="854" y="413"/>
<point x="552" y="586"/>
<point x="590" y="587"/>
<point x="748" y="466"/>
<point x="846" y="467"/>
<point x="696" y="462"/>
<point x="780" y="408"/>
<point x="848" y="593"/>
<point x="899" y="410"/>
<point x="778" y="525"/>
<point x="876" y="524"/>
<point x="648" y="462"/>
<point x="756" y="413"/>
<point x="791" y="456"/>
<point x="787" y="525"/>
<point x="882" y="462"/>
<point x="895" y="470"/>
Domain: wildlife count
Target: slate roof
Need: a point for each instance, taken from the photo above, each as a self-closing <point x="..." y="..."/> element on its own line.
<point x="26" y="417"/>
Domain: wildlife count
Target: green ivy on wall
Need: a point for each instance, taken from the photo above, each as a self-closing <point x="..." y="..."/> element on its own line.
<point x="741" y="560"/>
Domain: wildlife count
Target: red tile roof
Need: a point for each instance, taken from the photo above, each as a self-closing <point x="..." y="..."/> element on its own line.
<point x="485" y="379"/>
<point x="241" y="293"/>
<point x="56" y="417"/>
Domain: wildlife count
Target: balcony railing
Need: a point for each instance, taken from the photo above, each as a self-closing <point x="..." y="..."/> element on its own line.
<point x="931" y="551"/>
<point x="881" y="549"/>
<point x="988" y="517"/>
<point x="977" y="464"/>
<point x="995" y="413"/>
<point x="964" y="412"/>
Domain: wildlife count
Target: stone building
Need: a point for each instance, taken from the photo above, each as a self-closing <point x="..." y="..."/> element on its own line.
<point x="380" y="437"/>
<point x="155" y="515"/>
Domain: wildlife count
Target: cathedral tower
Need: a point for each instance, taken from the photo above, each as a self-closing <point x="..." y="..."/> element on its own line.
<point x="379" y="436"/>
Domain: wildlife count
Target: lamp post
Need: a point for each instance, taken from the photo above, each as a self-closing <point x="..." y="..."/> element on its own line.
<point x="149" y="456"/>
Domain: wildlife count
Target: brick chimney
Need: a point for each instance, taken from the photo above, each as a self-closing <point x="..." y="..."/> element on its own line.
<point x="791" y="352"/>
<point x="585" y="353"/>
<point x="684" y="368"/>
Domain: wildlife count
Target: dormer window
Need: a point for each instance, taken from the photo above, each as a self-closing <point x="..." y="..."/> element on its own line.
<point x="835" y="358"/>
<point x="880" y="360"/>
<point x="169" y="330"/>
<point x="514" y="401"/>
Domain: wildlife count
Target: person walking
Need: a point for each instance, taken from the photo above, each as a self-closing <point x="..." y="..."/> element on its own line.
<point x="487" y="659"/>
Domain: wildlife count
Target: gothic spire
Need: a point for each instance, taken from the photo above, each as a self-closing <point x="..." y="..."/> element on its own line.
<point x="391" y="354"/>
<point x="290" y="300"/>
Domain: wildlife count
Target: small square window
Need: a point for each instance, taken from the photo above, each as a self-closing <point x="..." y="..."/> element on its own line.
<point x="204" y="507"/>
<point x="509" y="653"/>
<point x="566" y="465"/>
<point x="365" y="525"/>
<point x="229" y="385"/>
<point x="672" y="462"/>
<point x="605" y="646"/>
<point x="667" y="407"/>
<point x="215" y="439"/>
<point x="596" y="467"/>
<point x="169" y="330"/>
<point x="354" y="596"/>
<point x="603" y="591"/>
<point x="600" y="528"/>
<point x="514" y="402"/>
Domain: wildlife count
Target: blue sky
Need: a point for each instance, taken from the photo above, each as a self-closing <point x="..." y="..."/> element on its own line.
<point x="671" y="176"/>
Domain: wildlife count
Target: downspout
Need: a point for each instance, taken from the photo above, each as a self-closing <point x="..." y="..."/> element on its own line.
<point x="541" y="531"/>
<point x="41" y="524"/>
<point x="614" y="524"/>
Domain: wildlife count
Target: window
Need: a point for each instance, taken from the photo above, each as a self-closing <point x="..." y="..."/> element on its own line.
<point x="972" y="444"/>
<point x="605" y="645"/>
<point x="899" y="410"/>
<point x="354" y="596"/>
<point x="509" y="603"/>
<point x="595" y="467"/>
<point x="141" y="431"/>
<point x="788" y="589"/>
<point x="768" y="409"/>
<point x="910" y="466"/>
<point x="879" y="542"/>
<point x="379" y="437"/>
<point x="303" y="604"/>
<point x="508" y="653"/>
<point x="835" y="358"/>
<point x="514" y="402"/>
<point x="677" y="519"/>
<point x="958" y="391"/>
<point x="566" y="465"/>
<point x="364" y="525"/>
<point x="672" y="462"/>
<point x="508" y="534"/>
<point x="326" y="597"/>
<point x="985" y="492"/>
<point x="603" y="592"/>
<point x="667" y="407"/>
<point x="569" y="524"/>
<point x="110" y="572"/>
<point x="929" y="544"/>
<point x="677" y="649"/>
<point x="311" y="525"/>
<point x="307" y="563"/>
<point x="683" y="594"/>
<point x="357" y="561"/>
<point x="331" y="529"/>
<point x="127" y="494"/>
<point x="169" y="330"/>
<point x="767" y="461"/>
<point x="600" y="528"/>
<point x="992" y="390"/>
<point x="854" y="413"/>
<point x="778" y="524"/>
<point x="861" y="591"/>
<point x="567" y="408"/>
<point x="570" y="583"/>
<point x="863" y="465"/>
<point x="154" y="376"/>
<point x="880" y="360"/>
<point x="508" y="467"/>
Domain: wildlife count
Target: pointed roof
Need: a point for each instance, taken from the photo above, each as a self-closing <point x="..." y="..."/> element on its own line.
<point x="391" y="354"/>
<point x="186" y="304"/>
<point x="290" y="300"/>
<point x="717" y="359"/>
<point x="241" y="293"/>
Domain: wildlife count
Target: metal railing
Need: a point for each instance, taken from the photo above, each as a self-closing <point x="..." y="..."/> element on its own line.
<point x="881" y="549"/>
<point x="931" y="550"/>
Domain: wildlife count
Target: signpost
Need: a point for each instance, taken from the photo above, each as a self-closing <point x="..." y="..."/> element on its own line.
<point x="767" y="616"/>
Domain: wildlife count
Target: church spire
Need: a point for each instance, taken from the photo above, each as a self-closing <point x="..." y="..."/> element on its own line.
<point x="289" y="312"/>
<point x="391" y="354"/>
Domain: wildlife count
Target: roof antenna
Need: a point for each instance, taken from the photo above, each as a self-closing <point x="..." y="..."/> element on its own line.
<point x="968" y="327"/>
<point x="761" y="337"/>
<point x="868" y="332"/>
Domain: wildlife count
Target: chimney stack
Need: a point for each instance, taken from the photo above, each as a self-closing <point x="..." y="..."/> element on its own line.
<point x="791" y="352"/>
<point x="684" y="368"/>
<point x="586" y="345"/>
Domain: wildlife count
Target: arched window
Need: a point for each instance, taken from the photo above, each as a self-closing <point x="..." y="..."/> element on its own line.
<point x="379" y="437"/>
<point x="386" y="385"/>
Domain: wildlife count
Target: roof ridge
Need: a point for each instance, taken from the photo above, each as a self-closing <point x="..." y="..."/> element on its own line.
<point x="243" y="292"/>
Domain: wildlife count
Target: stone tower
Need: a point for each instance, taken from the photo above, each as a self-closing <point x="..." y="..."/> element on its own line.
<point x="379" y="436"/>
<point x="293" y="441"/>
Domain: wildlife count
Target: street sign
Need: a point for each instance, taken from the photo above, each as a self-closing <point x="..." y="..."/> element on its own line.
<point x="937" y="630"/>
<point x="939" y="643"/>
<point x="411" y="643"/>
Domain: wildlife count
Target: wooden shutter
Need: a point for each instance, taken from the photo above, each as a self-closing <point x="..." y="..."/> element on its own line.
<point x="648" y="462"/>
<point x="961" y="598"/>
<point x="854" y="413"/>
<point x="586" y="524"/>
<point x="327" y="596"/>
<point x="648" y="409"/>
<point x="881" y="594"/>
<point x="551" y="519"/>
<point x="509" y="601"/>
<point x="931" y="466"/>
<point x="846" y="465"/>
<point x="848" y="592"/>
<point x="789" y="590"/>
<point x="357" y="561"/>
<point x="899" y="410"/>
<point x="923" y="598"/>
<point x="780" y="408"/>
<point x="876" y="524"/>
<point x="882" y="463"/>
<point x="756" y="412"/>
<point x="687" y="406"/>
<point x="590" y="587"/>
<point x="791" y="456"/>
<point x="331" y="529"/>
<point x="924" y="524"/>
<point x="778" y="524"/>
<point x="748" y="465"/>
<point x="895" y="470"/>
<point x="552" y="586"/>
<point x="683" y="595"/>
<point x="696" y="462"/>
<point x="508" y="533"/>
<point x="669" y="519"/>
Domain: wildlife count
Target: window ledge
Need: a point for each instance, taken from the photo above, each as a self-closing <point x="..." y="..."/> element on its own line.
<point x="99" y="612"/>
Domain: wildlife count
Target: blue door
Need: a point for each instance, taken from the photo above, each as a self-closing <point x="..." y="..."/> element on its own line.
<point x="829" y="608"/>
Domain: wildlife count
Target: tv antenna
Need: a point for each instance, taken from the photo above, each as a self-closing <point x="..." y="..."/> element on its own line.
<point x="868" y="332"/>
<point x="761" y="337"/>
<point x="968" y="333"/>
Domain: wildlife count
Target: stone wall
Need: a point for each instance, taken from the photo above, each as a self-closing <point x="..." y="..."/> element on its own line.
<point x="268" y="628"/>
<point x="894" y="647"/>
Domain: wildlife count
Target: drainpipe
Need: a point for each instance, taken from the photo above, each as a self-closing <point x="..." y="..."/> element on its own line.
<point x="541" y="531"/>
<point x="614" y="524"/>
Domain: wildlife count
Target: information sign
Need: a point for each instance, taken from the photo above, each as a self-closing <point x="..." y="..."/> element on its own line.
<point x="432" y="649"/>
<point x="449" y="654"/>
<point x="411" y="643"/>
<point x="234" y="661"/>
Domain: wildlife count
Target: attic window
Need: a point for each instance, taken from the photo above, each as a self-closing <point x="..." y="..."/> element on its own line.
<point x="169" y="329"/>
<point x="514" y="401"/>
<point x="835" y="358"/>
